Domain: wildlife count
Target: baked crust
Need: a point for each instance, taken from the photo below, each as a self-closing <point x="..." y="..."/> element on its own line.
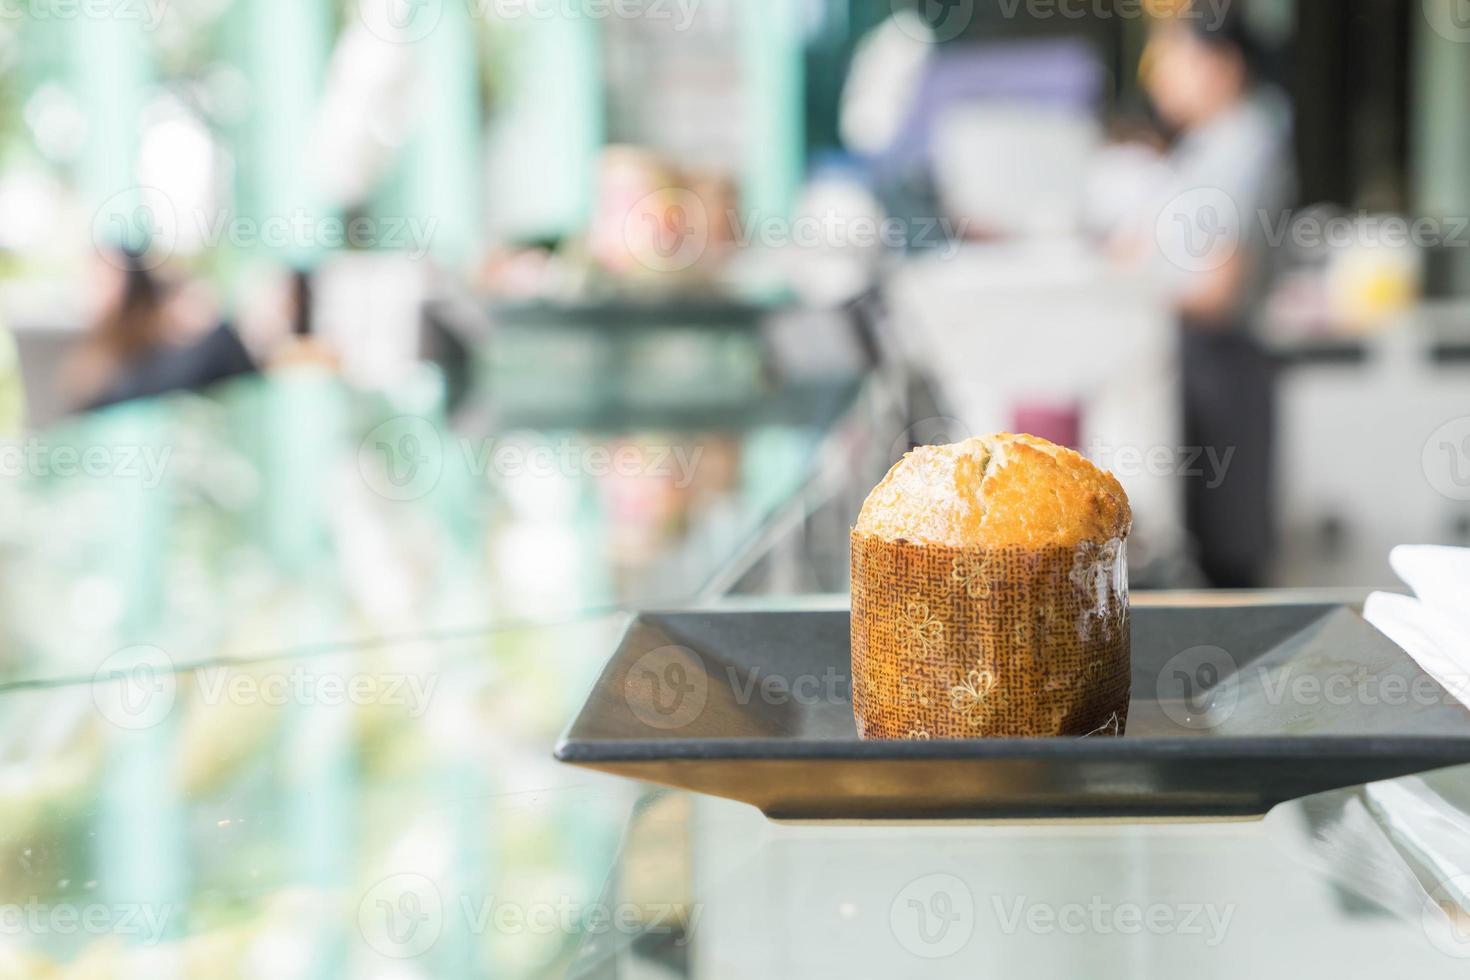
<point x="999" y="490"/>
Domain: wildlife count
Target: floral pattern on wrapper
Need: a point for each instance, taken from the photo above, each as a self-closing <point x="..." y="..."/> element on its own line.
<point x="986" y="642"/>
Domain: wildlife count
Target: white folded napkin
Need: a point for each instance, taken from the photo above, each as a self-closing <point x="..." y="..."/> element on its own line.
<point x="1433" y="627"/>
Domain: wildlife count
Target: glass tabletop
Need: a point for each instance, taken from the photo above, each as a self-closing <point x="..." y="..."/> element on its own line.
<point x="393" y="810"/>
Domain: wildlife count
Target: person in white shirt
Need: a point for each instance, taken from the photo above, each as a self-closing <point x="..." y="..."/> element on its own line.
<point x="1229" y="180"/>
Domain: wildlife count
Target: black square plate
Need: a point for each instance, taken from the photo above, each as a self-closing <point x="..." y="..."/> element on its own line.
<point x="1236" y="707"/>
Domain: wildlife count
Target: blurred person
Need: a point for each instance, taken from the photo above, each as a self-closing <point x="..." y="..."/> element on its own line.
<point x="1229" y="178"/>
<point x="303" y="347"/>
<point x="146" y="341"/>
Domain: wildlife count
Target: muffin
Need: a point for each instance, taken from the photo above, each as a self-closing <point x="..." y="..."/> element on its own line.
<point x="990" y="595"/>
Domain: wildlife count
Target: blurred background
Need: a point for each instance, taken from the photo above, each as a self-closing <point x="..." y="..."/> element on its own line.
<point x="421" y="335"/>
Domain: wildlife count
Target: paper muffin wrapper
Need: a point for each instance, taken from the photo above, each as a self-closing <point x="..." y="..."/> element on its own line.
<point x="988" y="642"/>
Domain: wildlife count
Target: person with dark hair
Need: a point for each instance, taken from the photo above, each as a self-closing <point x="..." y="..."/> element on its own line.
<point x="1231" y="180"/>
<point x="138" y="345"/>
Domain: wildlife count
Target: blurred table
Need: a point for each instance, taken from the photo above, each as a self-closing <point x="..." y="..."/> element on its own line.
<point x="1400" y="391"/>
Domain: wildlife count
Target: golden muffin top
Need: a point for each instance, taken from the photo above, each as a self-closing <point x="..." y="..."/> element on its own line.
<point x="996" y="491"/>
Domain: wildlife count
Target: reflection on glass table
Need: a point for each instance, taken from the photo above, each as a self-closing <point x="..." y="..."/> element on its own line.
<point x="393" y="811"/>
<point x="1326" y="886"/>
<point x="290" y="511"/>
<point x="379" y="811"/>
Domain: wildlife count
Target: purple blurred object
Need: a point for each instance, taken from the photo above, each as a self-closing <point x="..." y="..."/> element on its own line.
<point x="1063" y="73"/>
<point x="1059" y="423"/>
